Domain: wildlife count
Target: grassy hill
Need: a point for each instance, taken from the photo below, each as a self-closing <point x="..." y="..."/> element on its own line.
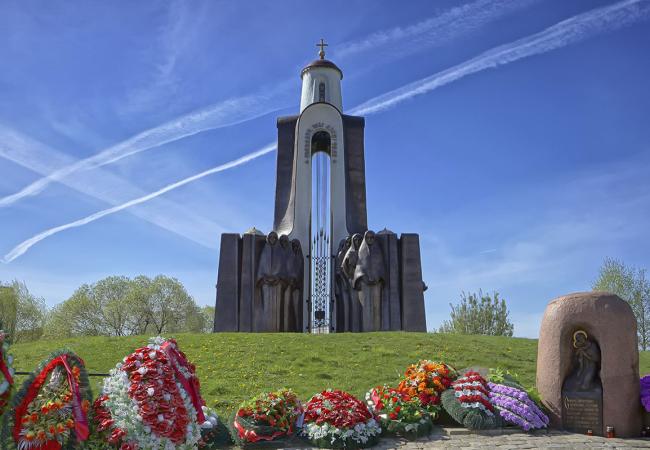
<point x="234" y="367"/>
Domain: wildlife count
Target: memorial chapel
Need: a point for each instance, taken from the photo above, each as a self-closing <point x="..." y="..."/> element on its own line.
<point x="320" y="269"/>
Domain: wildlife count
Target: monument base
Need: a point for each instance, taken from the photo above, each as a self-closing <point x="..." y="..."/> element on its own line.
<point x="240" y="284"/>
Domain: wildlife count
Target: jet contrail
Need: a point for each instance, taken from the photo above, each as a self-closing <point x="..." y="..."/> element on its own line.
<point x="224" y="114"/>
<point x="570" y="31"/>
<point x="564" y="33"/>
<point x="107" y="187"/>
<point x="435" y="30"/>
<point x="25" y="245"/>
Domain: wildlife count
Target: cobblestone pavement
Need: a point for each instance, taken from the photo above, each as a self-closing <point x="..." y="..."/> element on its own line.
<point x="453" y="439"/>
<point x="550" y="440"/>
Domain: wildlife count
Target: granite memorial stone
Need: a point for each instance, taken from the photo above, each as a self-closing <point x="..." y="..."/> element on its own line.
<point x="588" y="364"/>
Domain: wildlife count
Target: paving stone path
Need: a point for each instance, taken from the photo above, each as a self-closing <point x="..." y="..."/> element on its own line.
<point x="458" y="438"/>
<point x="547" y="440"/>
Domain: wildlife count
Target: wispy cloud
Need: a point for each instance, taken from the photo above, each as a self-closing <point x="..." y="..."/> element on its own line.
<point x="107" y="187"/>
<point x="570" y="31"/>
<point x="174" y="40"/>
<point x="437" y="30"/>
<point x="546" y="251"/>
<point x="26" y="245"/>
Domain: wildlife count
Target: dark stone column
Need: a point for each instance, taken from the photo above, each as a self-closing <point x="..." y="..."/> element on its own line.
<point x="226" y="317"/>
<point x="251" y="247"/>
<point x="355" y="174"/>
<point x="413" y="314"/>
<point x="284" y="172"/>
<point x="391" y="303"/>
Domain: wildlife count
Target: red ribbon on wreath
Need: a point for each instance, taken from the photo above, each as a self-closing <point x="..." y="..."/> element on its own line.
<point x="3" y="367"/>
<point x="80" y="418"/>
<point x="191" y="386"/>
<point x="251" y="436"/>
<point x="374" y="396"/>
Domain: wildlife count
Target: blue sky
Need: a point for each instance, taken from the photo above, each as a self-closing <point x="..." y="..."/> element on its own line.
<point x="513" y="136"/>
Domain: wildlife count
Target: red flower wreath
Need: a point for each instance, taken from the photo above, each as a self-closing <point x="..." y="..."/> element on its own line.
<point x="336" y="408"/>
<point x="472" y="388"/>
<point x="156" y="377"/>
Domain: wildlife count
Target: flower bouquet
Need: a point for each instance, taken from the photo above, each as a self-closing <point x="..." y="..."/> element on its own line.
<point x="516" y="407"/>
<point x="336" y="419"/>
<point x="151" y="400"/>
<point x="6" y="373"/>
<point x="468" y="403"/>
<point x="398" y="412"/>
<point x="267" y="417"/>
<point x="425" y="381"/>
<point x="50" y="410"/>
<point x="645" y="392"/>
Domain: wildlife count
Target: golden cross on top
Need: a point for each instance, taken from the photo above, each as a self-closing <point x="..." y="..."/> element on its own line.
<point x="322" y="46"/>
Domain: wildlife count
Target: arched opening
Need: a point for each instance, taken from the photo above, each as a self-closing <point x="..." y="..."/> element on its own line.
<point x="321" y="92"/>
<point x="320" y="252"/>
<point x="321" y="142"/>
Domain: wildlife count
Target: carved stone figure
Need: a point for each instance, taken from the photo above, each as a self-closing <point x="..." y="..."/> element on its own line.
<point x="586" y="365"/>
<point x="368" y="281"/>
<point x="292" y="297"/>
<point x="347" y="267"/>
<point x="286" y="256"/>
<point x="342" y="288"/>
<point x="269" y="272"/>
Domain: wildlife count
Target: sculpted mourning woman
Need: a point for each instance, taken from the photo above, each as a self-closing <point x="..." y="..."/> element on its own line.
<point x="348" y="267"/>
<point x="368" y="281"/>
<point x="269" y="277"/>
<point x="342" y="288"/>
<point x="292" y="301"/>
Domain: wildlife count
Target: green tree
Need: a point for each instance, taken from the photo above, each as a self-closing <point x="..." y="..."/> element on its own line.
<point x="8" y="309"/>
<point x="629" y="283"/>
<point x="119" y="306"/>
<point x="113" y="302"/>
<point x="169" y="306"/>
<point x="208" y="314"/>
<point x="479" y="314"/>
<point x="80" y="315"/>
<point x="22" y="314"/>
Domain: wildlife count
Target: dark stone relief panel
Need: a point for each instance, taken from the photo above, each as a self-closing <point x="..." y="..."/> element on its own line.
<point x="413" y="314"/>
<point x="227" y="302"/>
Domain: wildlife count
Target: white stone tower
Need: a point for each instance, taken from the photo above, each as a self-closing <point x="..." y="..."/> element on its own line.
<point x="319" y="169"/>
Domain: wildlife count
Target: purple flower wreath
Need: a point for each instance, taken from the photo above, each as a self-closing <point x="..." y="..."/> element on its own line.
<point x="516" y="407"/>
<point x="645" y="392"/>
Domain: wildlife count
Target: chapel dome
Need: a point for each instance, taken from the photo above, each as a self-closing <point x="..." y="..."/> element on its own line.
<point x="318" y="63"/>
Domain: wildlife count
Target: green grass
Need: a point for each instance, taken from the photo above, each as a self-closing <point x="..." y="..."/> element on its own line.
<point x="234" y="367"/>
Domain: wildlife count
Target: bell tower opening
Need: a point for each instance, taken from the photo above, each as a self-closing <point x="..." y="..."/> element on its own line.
<point x="320" y="235"/>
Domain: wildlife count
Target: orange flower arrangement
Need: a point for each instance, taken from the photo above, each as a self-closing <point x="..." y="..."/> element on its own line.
<point x="426" y="380"/>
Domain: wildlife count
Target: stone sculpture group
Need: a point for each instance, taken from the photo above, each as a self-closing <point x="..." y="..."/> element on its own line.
<point x="360" y="274"/>
<point x="280" y="278"/>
